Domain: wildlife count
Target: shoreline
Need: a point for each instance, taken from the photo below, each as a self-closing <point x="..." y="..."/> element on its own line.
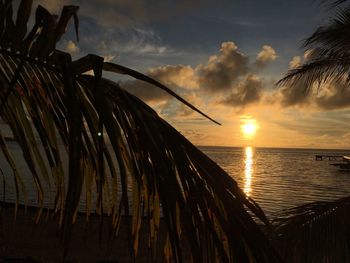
<point x="26" y="241"/>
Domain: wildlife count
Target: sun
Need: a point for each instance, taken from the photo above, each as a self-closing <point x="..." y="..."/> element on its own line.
<point x="249" y="129"/>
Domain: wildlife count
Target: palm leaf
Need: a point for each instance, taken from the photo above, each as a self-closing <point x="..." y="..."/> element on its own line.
<point x="333" y="3"/>
<point x="329" y="56"/>
<point x="113" y="138"/>
<point x="334" y="36"/>
<point x="318" y="71"/>
<point x="316" y="232"/>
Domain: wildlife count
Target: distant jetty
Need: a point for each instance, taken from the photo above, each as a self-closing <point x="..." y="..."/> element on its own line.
<point x="332" y="157"/>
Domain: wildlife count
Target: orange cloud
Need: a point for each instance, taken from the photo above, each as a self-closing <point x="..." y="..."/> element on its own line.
<point x="266" y="55"/>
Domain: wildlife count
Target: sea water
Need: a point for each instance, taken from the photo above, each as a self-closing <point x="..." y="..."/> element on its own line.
<point x="283" y="178"/>
<point x="275" y="178"/>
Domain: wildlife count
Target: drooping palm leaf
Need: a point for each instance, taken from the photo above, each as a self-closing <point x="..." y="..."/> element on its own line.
<point x="316" y="232"/>
<point x="113" y="140"/>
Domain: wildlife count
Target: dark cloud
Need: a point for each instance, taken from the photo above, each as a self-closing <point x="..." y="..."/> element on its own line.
<point x="119" y="41"/>
<point x="105" y="30"/>
<point x="145" y="91"/>
<point x="219" y="74"/>
<point x="222" y="71"/>
<point x="295" y="95"/>
<point x="246" y="92"/>
<point x="333" y="96"/>
<point x="228" y="72"/>
<point x="176" y="76"/>
<point x="127" y="12"/>
<point x="328" y="96"/>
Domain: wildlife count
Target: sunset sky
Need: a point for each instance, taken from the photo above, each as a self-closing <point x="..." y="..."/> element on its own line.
<point x="224" y="57"/>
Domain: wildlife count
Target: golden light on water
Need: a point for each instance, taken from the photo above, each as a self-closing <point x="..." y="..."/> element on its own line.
<point x="248" y="170"/>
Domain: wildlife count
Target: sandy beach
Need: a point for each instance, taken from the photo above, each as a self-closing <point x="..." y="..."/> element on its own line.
<point x="26" y="241"/>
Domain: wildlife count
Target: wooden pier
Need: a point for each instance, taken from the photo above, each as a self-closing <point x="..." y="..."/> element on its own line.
<point x="321" y="157"/>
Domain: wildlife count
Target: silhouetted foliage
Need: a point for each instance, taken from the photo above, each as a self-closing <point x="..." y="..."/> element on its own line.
<point x="114" y="142"/>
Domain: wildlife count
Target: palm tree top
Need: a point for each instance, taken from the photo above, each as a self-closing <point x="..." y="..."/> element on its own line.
<point x="328" y="59"/>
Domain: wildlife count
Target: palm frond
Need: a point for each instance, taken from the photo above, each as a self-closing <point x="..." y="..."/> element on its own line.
<point x="115" y="141"/>
<point x="315" y="232"/>
<point x="334" y="36"/>
<point x="329" y="56"/>
<point x="333" y="3"/>
<point x="319" y="70"/>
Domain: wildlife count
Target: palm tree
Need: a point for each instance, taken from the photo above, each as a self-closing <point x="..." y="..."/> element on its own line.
<point x="320" y="231"/>
<point x="113" y="138"/>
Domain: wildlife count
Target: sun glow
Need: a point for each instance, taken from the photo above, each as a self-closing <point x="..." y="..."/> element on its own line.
<point x="249" y="128"/>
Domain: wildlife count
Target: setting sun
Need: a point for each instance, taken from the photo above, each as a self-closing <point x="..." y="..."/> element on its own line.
<point x="249" y="129"/>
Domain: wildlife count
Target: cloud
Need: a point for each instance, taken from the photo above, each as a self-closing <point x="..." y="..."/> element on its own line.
<point x="267" y="54"/>
<point x="297" y="94"/>
<point x="335" y="94"/>
<point x="294" y="95"/>
<point x="184" y="112"/>
<point x="71" y="47"/>
<point x="295" y="62"/>
<point x="332" y="95"/>
<point x="248" y="91"/>
<point x="227" y="73"/>
<point x="111" y="13"/>
<point x="318" y="124"/>
<point x="175" y="77"/>
<point x="121" y="42"/>
<point x="299" y="60"/>
<point x="108" y="58"/>
<point x="308" y="54"/>
<point x="145" y="91"/>
<point x="178" y="76"/>
<point x="53" y="6"/>
<point x="219" y="74"/>
<point x="108" y="28"/>
<point x="223" y="70"/>
<point x="116" y="27"/>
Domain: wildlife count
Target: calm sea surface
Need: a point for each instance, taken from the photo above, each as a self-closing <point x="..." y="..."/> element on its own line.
<point x="283" y="178"/>
<point x="275" y="178"/>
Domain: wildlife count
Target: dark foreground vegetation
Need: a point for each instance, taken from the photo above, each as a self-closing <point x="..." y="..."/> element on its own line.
<point x="184" y="206"/>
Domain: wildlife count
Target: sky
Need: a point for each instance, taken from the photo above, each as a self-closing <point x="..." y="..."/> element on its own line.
<point x="224" y="57"/>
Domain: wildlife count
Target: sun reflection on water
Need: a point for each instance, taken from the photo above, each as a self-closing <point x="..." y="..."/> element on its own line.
<point x="248" y="170"/>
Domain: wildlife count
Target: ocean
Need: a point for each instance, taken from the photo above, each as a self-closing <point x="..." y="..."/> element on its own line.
<point x="282" y="178"/>
<point x="275" y="178"/>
